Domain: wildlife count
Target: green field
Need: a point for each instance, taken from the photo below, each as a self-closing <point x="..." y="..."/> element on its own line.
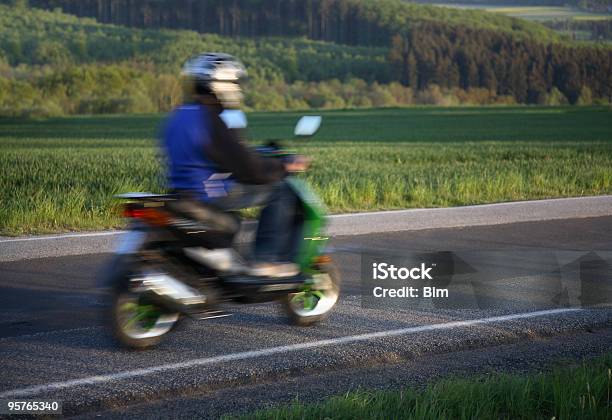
<point x="60" y="174"/>
<point x="574" y="392"/>
<point x="534" y="13"/>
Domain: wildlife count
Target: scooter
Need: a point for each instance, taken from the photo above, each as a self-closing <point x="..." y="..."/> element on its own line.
<point x="168" y="267"/>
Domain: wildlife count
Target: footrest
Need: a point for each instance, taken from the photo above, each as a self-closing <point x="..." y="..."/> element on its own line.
<point x="209" y="314"/>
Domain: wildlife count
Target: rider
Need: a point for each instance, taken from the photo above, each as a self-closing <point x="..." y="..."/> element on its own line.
<point x="210" y="164"/>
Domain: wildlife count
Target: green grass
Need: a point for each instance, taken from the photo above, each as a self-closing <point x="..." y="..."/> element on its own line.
<point x="577" y="392"/>
<point x="60" y="174"/>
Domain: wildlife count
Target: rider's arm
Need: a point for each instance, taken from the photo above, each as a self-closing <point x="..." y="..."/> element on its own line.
<point x="247" y="166"/>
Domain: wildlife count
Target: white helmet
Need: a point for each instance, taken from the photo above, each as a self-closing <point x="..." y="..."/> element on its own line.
<point x="216" y="73"/>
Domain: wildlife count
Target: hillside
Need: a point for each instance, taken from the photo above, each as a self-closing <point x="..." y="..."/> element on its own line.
<point x="34" y="37"/>
<point x="52" y="63"/>
<point x="355" y="22"/>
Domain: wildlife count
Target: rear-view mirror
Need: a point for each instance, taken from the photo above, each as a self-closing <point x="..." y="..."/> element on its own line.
<point x="234" y="119"/>
<point x="308" y="125"/>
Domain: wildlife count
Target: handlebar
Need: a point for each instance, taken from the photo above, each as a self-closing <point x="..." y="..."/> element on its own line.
<point x="273" y="149"/>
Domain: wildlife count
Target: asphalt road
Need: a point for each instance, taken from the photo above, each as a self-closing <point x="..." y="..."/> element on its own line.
<point x="53" y="344"/>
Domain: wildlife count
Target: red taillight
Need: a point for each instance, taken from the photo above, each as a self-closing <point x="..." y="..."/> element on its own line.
<point x="130" y="212"/>
<point x="149" y="215"/>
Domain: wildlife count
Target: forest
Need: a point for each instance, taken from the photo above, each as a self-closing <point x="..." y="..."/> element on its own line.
<point x="523" y="69"/>
<point x="354" y="22"/>
<point x="53" y="63"/>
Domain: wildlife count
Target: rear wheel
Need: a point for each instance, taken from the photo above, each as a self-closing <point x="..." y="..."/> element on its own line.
<point x="136" y="323"/>
<point x="316" y="301"/>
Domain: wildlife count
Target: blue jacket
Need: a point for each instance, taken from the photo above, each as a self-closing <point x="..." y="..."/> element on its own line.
<point x="187" y="134"/>
<point x="206" y="158"/>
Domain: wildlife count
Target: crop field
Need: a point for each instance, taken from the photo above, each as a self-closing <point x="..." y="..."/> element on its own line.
<point x="536" y="13"/>
<point x="60" y="174"/>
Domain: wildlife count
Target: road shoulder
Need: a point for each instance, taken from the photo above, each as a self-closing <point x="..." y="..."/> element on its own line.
<point x="528" y="356"/>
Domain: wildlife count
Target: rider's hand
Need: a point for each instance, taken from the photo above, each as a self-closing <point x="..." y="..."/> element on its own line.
<point x="298" y="164"/>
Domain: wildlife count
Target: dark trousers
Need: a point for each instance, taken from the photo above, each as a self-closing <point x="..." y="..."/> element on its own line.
<point x="280" y="224"/>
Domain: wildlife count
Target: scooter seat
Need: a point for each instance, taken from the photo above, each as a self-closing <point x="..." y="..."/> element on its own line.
<point x="206" y="214"/>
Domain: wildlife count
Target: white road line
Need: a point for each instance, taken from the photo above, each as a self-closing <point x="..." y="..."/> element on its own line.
<point x="503" y="204"/>
<point x="114" y="377"/>
<point x="66" y="236"/>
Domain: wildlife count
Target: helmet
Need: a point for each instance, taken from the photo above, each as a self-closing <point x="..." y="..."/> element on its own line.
<point x="217" y="74"/>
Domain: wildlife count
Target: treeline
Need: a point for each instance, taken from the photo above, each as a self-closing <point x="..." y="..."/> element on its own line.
<point x="591" y="5"/>
<point x="593" y="30"/>
<point x="354" y="22"/>
<point x="119" y="89"/>
<point x="595" y="5"/>
<point x="528" y="71"/>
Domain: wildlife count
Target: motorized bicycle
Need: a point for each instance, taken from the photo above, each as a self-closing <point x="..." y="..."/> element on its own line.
<point x="169" y="267"/>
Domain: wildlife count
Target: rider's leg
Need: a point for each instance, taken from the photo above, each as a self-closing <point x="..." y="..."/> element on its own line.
<point x="275" y="230"/>
<point x="275" y="222"/>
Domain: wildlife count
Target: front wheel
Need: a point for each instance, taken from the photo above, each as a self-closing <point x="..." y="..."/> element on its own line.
<point x="316" y="301"/>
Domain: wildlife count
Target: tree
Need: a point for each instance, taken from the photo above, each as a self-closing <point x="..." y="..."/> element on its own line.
<point x="555" y="97"/>
<point x="586" y="96"/>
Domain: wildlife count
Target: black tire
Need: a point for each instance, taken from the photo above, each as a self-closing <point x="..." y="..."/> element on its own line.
<point x="301" y="319"/>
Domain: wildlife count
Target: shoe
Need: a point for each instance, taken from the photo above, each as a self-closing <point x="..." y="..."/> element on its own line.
<point x="275" y="270"/>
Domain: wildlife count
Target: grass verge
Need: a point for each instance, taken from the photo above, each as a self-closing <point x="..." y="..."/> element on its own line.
<point x="577" y="392"/>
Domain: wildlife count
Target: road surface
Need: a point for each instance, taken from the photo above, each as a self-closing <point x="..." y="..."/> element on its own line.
<point x="53" y="344"/>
